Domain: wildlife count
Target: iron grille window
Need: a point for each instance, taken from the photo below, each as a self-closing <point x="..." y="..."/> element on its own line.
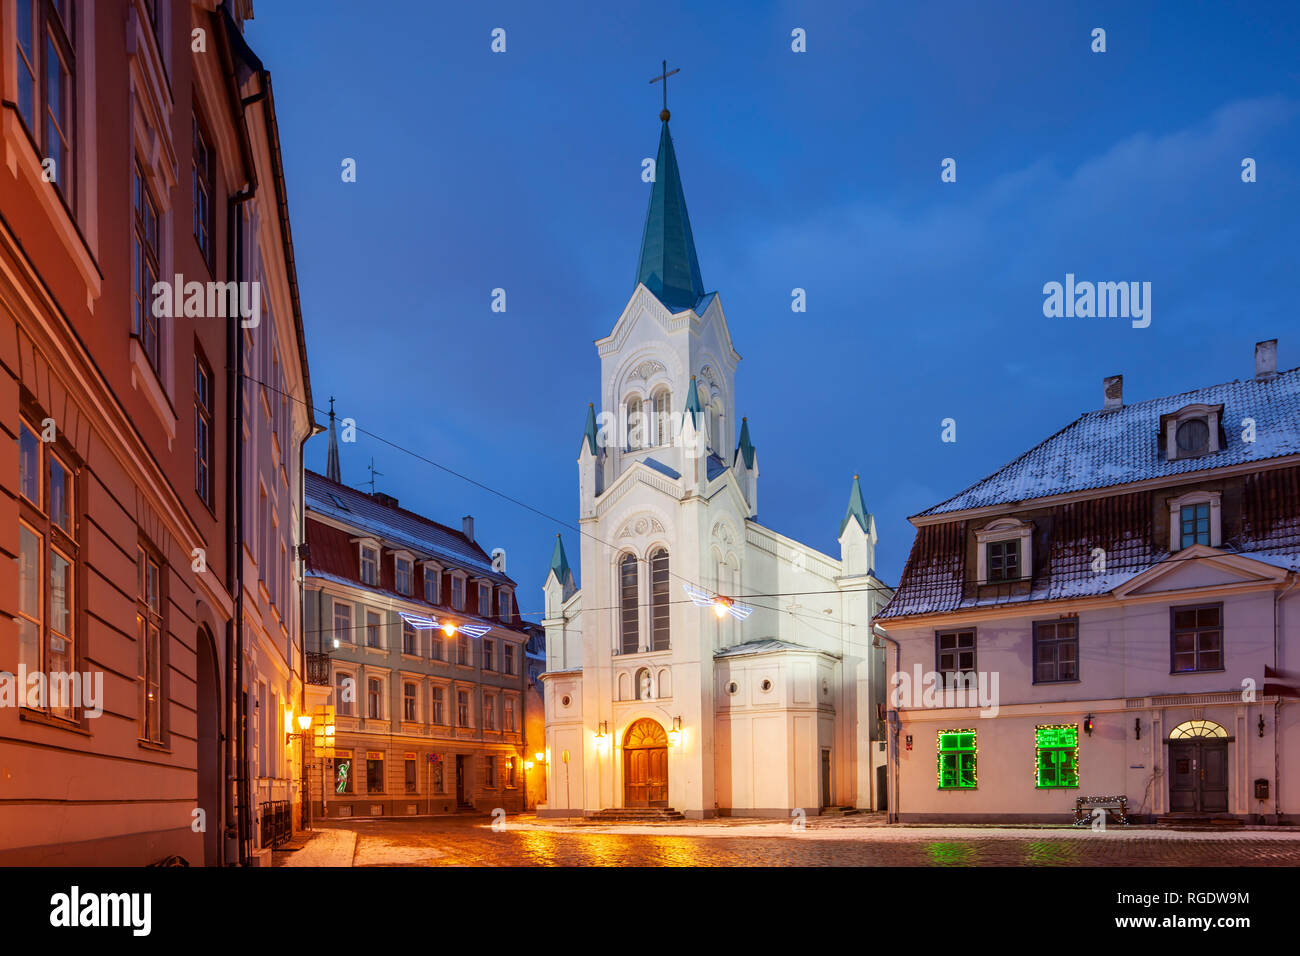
<point x="1056" y="651"/>
<point x="1196" y="524"/>
<point x="954" y="653"/>
<point x="628" y="602"/>
<point x="1197" y="638"/>
<point x="659" y="594"/>
<point x="1004" y="560"/>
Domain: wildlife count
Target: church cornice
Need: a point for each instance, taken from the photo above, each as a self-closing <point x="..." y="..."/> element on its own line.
<point x="636" y="473"/>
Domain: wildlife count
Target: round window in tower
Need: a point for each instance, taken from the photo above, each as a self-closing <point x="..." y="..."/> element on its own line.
<point x="733" y="687"/>
<point x="766" y="685"/>
<point x="566" y="700"/>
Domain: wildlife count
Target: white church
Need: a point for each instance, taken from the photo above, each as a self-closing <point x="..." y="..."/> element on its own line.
<point x="708" y="665"/>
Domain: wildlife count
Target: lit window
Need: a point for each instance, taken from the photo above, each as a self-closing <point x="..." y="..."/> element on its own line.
<point x="1057" y="756"/>
<point x="957" y="760"/>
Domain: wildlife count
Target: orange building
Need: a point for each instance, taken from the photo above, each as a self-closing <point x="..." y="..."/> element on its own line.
<point x="141" y="506"/>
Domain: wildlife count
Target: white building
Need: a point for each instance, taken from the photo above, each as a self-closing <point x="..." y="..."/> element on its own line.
<point x="1130" y="583"/>
<point x="652" y="701"/>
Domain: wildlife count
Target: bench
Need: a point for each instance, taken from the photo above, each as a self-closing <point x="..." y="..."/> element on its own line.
<point x="1116" y="807"/>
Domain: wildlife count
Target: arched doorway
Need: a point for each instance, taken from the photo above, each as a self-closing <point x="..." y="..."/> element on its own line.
<point x="1198" y="767"/>
<point x="645" y="765"/>
<point x="208" y="707"/>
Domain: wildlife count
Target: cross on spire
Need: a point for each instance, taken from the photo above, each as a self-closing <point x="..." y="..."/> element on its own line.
<point x="664" y="76"/>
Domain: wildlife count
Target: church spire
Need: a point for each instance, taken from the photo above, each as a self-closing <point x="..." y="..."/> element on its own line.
<point x="857" y="510"/>
<point x="589" y="430"/>
<point x="668" y="266"/>
<point x="745" y="447"/>
<point x="560" y="568"/>
<point x="332" y="462"/>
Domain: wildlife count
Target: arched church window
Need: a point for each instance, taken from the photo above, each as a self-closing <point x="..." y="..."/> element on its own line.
<point x="663" y="408"/>
<point x="659" y="607"/>
<point x="629" y="612"/>
<point x="636" y="424"/>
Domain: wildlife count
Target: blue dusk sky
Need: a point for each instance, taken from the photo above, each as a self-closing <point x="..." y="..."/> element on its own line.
<point x="818" y="170"/>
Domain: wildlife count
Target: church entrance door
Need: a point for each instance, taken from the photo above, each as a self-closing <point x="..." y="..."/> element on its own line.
<point x="645" y="765"/>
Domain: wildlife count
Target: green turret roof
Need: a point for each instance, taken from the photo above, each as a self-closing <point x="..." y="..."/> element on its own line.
<point x="693" y="402"/>
<point x="589" y="432"/>
<point x="560" y="563"/>
<point x="746" y="447"/>
<point x="857" y="509"/>
<point x="669" y="267"/>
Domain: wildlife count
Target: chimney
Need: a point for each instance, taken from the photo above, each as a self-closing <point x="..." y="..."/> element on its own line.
<point x="467" y="526"/>
<point x="1266" y="360"/>
<point x="385" y="499"/>
<point x="1113" y="387"/>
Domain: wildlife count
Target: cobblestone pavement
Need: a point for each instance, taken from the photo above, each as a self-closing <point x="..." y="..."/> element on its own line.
<point x="471" y="841"/>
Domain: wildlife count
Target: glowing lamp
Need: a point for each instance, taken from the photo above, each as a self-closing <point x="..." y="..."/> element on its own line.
<point x="449" y="629"/>
<point x="304" y="721"/>
<point x="675" y="735"/>
<point x="539" y="757"/>
<point x="720" y="607"/>
<point x="528" y="765"/>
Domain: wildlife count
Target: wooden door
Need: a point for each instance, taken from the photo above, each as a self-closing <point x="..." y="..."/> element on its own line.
<point x="1198" y="780"/>
<point x="1184" y="769"/>
<point x="1214" y="776"/>
<point x="645" y="765"/>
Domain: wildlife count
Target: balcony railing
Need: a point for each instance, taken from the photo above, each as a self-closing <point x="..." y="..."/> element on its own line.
<point x="318" y="668"/>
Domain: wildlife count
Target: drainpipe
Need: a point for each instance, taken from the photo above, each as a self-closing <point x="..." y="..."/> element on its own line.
<point x="1277" y="704"/>
<point x="891" y="762"/>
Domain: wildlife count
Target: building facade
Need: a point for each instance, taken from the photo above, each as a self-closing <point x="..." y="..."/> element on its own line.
<point x="1123" y="597"/>
<point x="651" y="700"/>
<point x="131" y="161"/>
<point x="426" y="659"/>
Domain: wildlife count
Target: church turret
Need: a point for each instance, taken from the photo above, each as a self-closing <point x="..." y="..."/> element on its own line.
<point x="857" y="535"/>
<point x="559" y="585"/>
<point x="745" y="464"/>
<point x="591" y="459"/>
<point x="694" y="440"/>
<point x="668" y="266"/>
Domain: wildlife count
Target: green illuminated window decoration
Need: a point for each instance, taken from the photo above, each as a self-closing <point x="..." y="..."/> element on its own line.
<point x="1057" y="763"/>
<point x="957" y="760"/>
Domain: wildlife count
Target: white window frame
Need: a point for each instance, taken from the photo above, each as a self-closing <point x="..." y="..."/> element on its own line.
<point x="1213" y="499"/>
<point x="484" y="599"/>
<point x="458" y="581"/>
<point x="1005" y="529"/>
<point x="400" y="557"/>
<point x="379" y="631"/>
<point x="503" y="603"/>
<point x="364" y="544"/>
<point x="433" y="572"/>
<point x="349" y="635"/>
<point x="1211" y="415"/>
<point x="354" y="703"/>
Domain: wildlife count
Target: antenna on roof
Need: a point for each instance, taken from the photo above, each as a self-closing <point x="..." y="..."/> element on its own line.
<point x="373" y="475"/>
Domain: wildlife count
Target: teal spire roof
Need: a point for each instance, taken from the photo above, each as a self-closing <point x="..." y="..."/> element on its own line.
<point x="589" y="432"/>
<point x="693" y="402"/>
<point x="857" y="509"/>
<point x="560" y="563"/>
<point x="668" y="266"/>
<point x="746" y="447"/>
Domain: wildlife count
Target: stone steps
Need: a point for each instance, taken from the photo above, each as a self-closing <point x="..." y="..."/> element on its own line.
<point x="635" y="815"/>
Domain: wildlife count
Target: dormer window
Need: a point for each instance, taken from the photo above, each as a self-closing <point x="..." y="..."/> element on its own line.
<point x="503" y="604"/>
<point x="484" y="600"/>
<point x="404" y="574"/>
<point x="458" y="592"/>
<point x="1191" y="432"/>
<point x="369" y="565"/>
<point x="1195" y="518"/>
<point x="433" y="584"/>
<point x="1004" y="551"/>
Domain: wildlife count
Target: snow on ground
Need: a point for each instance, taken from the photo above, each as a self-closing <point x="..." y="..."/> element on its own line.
<point x="330" y="847"/>
<point x="376" y="851"/>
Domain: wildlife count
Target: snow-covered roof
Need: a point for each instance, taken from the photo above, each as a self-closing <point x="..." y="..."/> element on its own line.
<point x="397" y="527"/>
<point x="1105" y="448"/>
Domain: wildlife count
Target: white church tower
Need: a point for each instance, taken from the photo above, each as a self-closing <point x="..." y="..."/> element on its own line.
<point x="654" y="704"/>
